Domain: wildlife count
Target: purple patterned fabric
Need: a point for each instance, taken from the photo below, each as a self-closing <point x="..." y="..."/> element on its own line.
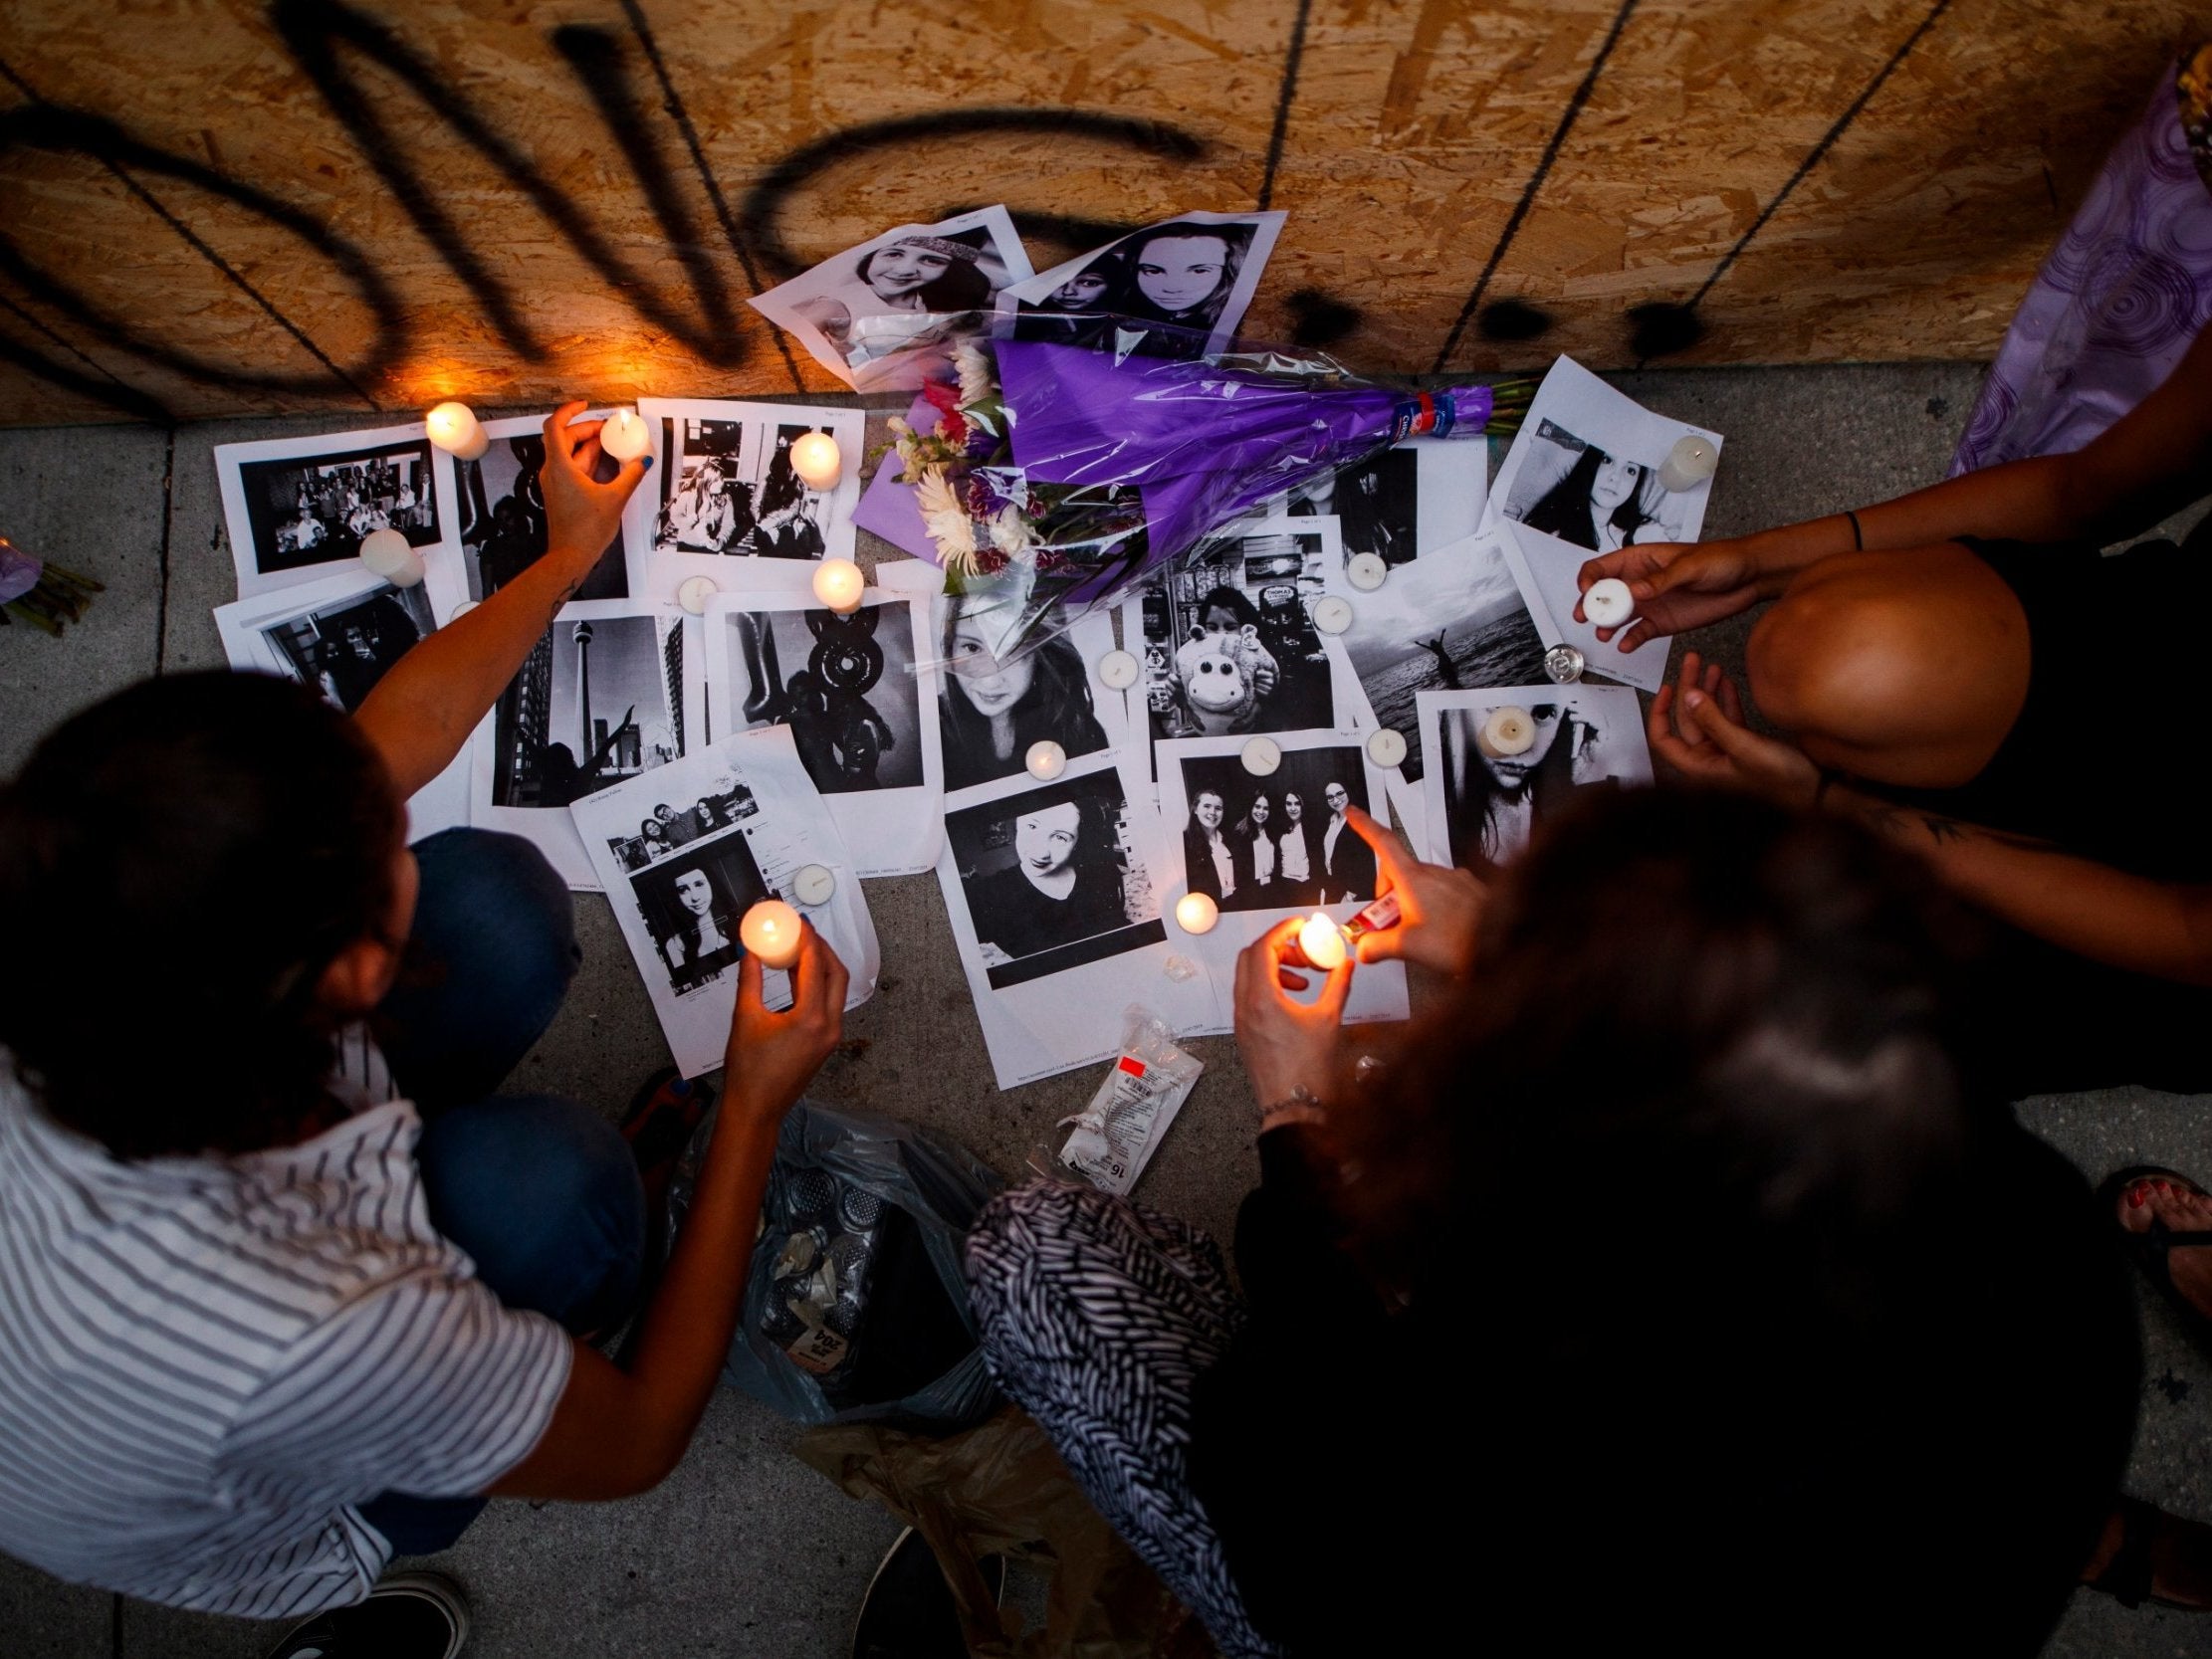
<point x="2114" y="307"/>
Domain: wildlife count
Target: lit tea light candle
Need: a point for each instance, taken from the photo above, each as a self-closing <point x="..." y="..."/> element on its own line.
<point x="839" y="584"/>
<point x="1507" y="732"/>
<point x="1195" y="913"/>
<point x="1118" y="669"/>
<point x="1689" y="463"/>
<point x="1047" y="759"/>
<point x="387" y="555"/>
<point x="1322" y="941"/>
<point x="817" y="461"/>
<point x="625" y="435"/>
<point x="771" y="932"/>
<point x="455" y="429"/>
<point x="1608" y="603"/>
<point x="693" y="592"/>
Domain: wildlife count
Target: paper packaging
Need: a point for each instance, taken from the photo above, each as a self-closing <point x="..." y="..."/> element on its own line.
<point x="1115" y="1135"/>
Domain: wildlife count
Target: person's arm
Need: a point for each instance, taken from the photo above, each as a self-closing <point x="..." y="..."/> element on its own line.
<point x="2130" y="921"/>
<point x="424" y="709"/>
<point x="617" y="1434"/>
<point x="2153" y="461"/>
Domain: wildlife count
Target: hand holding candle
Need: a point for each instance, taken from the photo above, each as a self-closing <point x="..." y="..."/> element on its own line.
<point x="624" y="434"/>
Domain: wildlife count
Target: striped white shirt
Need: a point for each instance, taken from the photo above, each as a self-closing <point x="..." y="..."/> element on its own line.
<point x="206" y="1363"/>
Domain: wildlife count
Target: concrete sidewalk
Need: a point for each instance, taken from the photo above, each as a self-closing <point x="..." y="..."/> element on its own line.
<point x="744" y="1552"/>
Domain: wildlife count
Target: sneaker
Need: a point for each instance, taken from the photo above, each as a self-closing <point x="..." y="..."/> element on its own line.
<point x="908" y="1613"/>
<point x="409" y="1615"/>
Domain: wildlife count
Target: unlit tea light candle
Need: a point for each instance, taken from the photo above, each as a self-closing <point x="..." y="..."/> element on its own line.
<point x="1047" y="759"/>
<point x="1608" y="603"/>
<point x="387" y="555"/>
<point x="1507" y="732"/>
<point x="1689" y="463"/>
<point x="1118" y="670"/>
<point x="1367" y="571"/>
<point x="1195" y="913"/>
<point x="817" y="461"/>
<point x="693" y="592"/>
<point x="455" y="429"/>
<point x="815" y="883"/>
<point x="625" y="435"/>
<point x="1322" y="941"/>
<point x="772" y="931"/>
<point x="839" y="584"/>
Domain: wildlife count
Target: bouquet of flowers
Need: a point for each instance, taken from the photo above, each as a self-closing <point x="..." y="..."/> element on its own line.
<point x="41" y="593"/>
<point x="1059" y="475"/>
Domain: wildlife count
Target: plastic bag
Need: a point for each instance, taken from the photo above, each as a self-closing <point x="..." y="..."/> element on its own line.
<point x="1054" y="477"/>
<point x="855" y="1303"/>
<point x="1114" y="1137"/>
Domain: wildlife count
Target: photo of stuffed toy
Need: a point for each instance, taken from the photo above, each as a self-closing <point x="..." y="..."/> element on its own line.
<point x="1230" y="644"/>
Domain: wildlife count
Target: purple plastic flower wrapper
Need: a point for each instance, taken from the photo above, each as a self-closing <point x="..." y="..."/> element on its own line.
<point x="1204" y="440"/>
<point x="19" y="571"/>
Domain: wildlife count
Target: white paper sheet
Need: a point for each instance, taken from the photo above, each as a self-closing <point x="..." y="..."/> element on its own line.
<point x="860" y="694"/>
<point x="298" y="508"/>
<point x="499" y="510"/>
<point x="1485" y="807"/>
<point x="1276" y="569"/>
<point x="1050" y="985"/>
<point x="1340" y="876"/>
<point x="341" y="634"/>
<point x="602" y="660"/>
<point x="723" y="502"/>
<point x="881" y="324"/>
<point x="1052" y="693"/>
<point x="752" y="820"/>
<point x="1582" y="477"/>
<point x="1197" y="271"/>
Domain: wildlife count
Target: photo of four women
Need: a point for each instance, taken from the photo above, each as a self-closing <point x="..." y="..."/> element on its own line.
<point x="1254" y="847"/>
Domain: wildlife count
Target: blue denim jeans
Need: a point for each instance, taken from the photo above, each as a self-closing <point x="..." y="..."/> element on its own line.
<point x="541" y="1193"/>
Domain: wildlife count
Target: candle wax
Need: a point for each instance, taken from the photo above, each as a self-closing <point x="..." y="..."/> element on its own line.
<point x="770" y="931"/>
<point x="1323" y="942"/>
<point x="1195" y="913"/>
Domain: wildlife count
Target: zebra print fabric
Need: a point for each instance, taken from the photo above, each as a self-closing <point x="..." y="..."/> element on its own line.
<point x="1098" y="1317"/>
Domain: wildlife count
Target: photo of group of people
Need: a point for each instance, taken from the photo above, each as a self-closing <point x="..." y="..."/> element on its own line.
<point x="344" y="647"/>
<point x="729" y="488"/>
<point x="880" y="315"/>
<point x="1228" y="639"/>
<point x="501" y="506"/>
<point x="991" y="709"/>
<point x="692" y="904"/>
<point x="1177" y="289"/>
<point x="310" y="508"/>
<point x="669" y="829"/>
<point x="1051" y="878"/>
<point x="1483" y="804"/>
<point x="1280" y="842"/>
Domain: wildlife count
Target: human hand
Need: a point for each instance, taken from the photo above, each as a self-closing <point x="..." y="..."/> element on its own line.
<point x="582" y="516"/>
<point x="1439" y="908"/>
<point x="1263" y="676"/>
<point x="1676" y="586"/>
<point x="774" y="1056"/>
<point x="1707" y="739"/>
<point x="1285" y="1044"/>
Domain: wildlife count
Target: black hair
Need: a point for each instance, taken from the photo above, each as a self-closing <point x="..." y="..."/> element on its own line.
<point x="1565" y="509"/>
<point x="1471" y="792"/>
<point x="1057" y="706"/>
<point x="179" y="864"/>
<point x="1234" y="601"/>
<point x="1206" y="312"/>
<point x="960" y="287"/>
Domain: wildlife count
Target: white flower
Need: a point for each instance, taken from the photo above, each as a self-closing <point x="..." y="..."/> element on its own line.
<point x="946" y="520"/>
<point x="977" y="382"/>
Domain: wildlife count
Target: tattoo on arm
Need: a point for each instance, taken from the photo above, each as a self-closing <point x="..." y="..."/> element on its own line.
<point x="1896" y="823"/>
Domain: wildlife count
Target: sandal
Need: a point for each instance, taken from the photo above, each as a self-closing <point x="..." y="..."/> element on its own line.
<point x="2151" y="1249"/>
<point x="2128" y="1575"/>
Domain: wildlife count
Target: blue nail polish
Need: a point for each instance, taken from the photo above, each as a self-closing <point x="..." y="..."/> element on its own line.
<point x="648" y="462"/>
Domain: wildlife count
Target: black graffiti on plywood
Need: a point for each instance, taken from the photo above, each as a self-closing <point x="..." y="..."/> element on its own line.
<point x="331" y="42"/>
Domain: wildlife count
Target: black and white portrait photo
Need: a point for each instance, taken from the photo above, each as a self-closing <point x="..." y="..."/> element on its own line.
<point x="993" y="708"/>
<point x="345" y="646"/>
<point x="880" y="315"/>
<point x="1175" y="289"/>
<point x="599" y="699"/>
<point x="1053" y="877"/>
<point x="845" y="685"/>
<point x="669" y="828"/>
<point x="692" y="904"/>
<point x="1228" y="639"/>
<point x="1278" y="842"/>
<point x="729" y="488"/>
<point x="1572" y="489"/>
<point x="1486" y="799"/>
<point x="313" y="508"/>
<point x="502" y="513"/>
<point x="1376" y="503"/>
